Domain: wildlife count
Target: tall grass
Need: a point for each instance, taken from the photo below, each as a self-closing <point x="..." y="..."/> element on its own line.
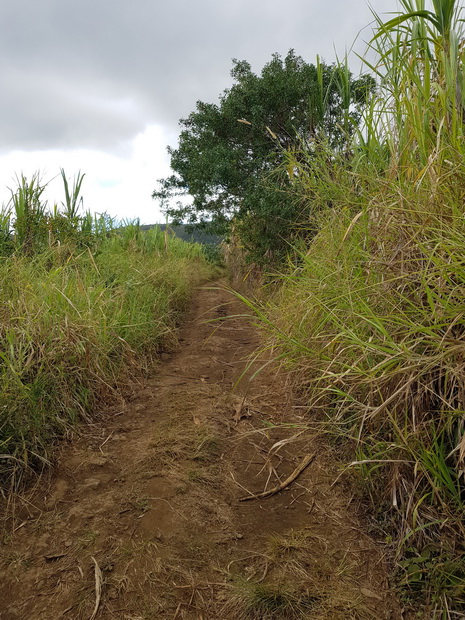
<point x="85" y="305"/>
<point x="372" y="317"/>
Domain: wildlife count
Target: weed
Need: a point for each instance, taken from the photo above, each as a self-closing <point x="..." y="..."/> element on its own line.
<point x="200" y="477"/>
<point x="283" y="545"/>
<point x="207" y="450"/>
<point x="141" y="504"/>
<point x="17" y="560"/>
<point x="88" y="538"/>
<point x="263" y="601"/>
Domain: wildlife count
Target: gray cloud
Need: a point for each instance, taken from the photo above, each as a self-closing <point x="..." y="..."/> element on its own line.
<point x="94" y="73"/>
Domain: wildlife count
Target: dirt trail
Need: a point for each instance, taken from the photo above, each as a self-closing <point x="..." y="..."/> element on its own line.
<point x="151" y="494"/>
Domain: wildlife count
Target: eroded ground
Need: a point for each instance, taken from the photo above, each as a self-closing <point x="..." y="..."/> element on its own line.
<point x="141" y="518"/>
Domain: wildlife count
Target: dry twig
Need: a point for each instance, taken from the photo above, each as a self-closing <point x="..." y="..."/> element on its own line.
<point x="295" y="474"/>
<point x="98" y="588"/>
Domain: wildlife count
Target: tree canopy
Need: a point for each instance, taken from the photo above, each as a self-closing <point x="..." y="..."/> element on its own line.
<point x="230" y="154"/>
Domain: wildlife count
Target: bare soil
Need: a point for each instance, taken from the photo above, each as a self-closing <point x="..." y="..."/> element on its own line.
<point x="140" y="518"/>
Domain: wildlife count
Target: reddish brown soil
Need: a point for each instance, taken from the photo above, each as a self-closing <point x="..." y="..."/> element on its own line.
<point x="150" y="495"/>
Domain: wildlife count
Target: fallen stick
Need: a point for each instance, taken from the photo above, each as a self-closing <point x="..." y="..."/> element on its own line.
<point x="98" y="588"/>
<point x="295" y="474"/>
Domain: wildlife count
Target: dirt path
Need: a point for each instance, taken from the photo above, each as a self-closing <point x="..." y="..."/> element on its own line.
<point x="150" y="497"/>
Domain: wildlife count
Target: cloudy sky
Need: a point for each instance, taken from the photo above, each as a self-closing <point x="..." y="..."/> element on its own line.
<point x="99" y="85"/>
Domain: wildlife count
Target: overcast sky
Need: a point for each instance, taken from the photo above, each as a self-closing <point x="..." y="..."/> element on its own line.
<point x="99" y="85"/>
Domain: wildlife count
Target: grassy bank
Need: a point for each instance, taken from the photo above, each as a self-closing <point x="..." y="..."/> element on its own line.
<point x="371" y="316"/>
<point x="85" y="306"/>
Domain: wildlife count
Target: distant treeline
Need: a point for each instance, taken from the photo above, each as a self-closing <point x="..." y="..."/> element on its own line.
<point x="188" y="233"/>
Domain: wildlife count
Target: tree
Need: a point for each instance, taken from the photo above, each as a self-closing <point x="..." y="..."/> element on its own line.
<point x="230" y="155"/>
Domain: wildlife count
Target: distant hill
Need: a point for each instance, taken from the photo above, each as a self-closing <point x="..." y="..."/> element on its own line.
<point x="185" y="233"/>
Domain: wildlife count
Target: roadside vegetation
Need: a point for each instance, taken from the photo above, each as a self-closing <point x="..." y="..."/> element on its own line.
<point x="372" y="317"/>
<point x="369" y="313"/>
<point x="86" y="304"/>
